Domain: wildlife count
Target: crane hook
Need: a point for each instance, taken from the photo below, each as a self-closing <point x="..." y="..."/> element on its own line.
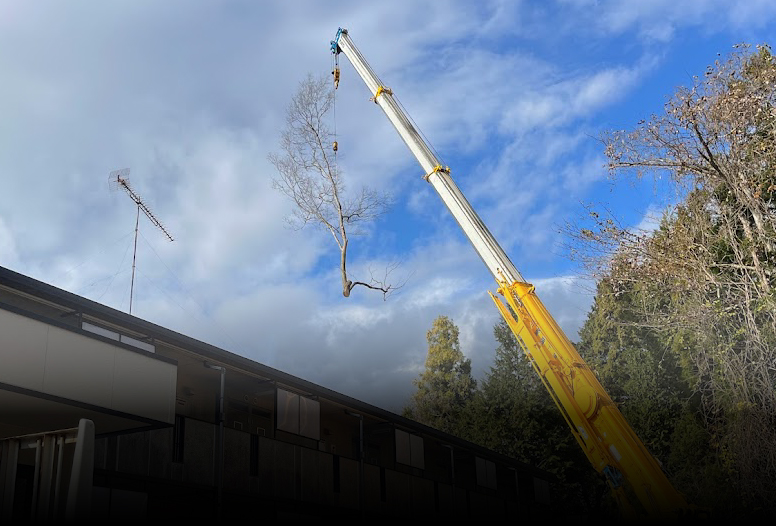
<point x="336" y="74"/>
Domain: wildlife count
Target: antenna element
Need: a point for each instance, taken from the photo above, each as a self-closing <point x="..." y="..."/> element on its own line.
<point x="118" y="179"/>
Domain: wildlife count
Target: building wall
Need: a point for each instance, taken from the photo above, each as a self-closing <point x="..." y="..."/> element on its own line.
<point x="282" y="478"/>
<point x="272" y="468"/>
<point x="71" y="364"/>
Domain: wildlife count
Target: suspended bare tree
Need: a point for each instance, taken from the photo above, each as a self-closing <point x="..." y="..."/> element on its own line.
<point x="309" y="175"/>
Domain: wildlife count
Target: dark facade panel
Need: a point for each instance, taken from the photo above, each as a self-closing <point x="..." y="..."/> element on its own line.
<point x="316" y="477"/>
<point x="199" y="443"/>
<point x="237" y="457"/>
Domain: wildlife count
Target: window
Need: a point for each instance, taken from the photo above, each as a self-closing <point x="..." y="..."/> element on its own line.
<point x="336" y="473"/>
<point x="409" y="449"/>
<point x="486" y="473"/>
<point x="299" y="415"/>
<point x="113" y="335"/>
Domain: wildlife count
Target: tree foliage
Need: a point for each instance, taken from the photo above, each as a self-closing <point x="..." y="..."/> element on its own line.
<point x="523" y="421"/>
<point x="640" y="368"/>
<point x="518" y="418"/>
<point x="446" y="386"/>
<point x="637" y="366"/>
<point x="699" y="290"/>
<point x="308" y="173"/>
<point x="682" y="334"/>
<point x="510" y="412"/>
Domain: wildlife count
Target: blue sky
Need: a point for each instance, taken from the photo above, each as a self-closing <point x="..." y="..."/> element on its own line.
<point x="191" y="97"/>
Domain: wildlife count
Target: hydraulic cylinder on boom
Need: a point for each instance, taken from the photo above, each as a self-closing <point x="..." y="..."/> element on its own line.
<point x="634" y="476"/>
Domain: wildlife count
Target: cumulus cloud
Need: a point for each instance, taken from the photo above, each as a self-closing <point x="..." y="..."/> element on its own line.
<point x="191" y="98"/>
<point x="10" y="256"/>
<point x="659" y="20"/>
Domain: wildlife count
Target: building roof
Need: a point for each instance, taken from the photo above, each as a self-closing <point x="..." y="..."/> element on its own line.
<point x="38" y="289"/>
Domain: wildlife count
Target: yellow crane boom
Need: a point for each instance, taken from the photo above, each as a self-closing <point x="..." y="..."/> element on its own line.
<point x="636" y="479"/>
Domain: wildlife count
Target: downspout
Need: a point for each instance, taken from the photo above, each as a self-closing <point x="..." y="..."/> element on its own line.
<point x="219" y="474"/>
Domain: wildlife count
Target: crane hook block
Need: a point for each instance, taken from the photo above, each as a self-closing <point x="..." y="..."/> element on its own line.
<point x="334" y="146"/>
<point x="336" y="74"/>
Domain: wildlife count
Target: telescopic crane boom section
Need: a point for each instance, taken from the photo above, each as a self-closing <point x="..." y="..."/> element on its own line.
<point x="637" y="481"/>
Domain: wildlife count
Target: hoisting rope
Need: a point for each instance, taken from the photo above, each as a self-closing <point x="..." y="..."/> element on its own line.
<point x="336" y="73"/>
<point x="336" y="70"/>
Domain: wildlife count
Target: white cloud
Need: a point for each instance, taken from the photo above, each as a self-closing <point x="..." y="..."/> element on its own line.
<point x="650" y="221"/>
<point x="604" y="87"/>
<point x="191" y="97"/>
<point x="565" y="99"/>
<point x="10" y="257"/>
<point x="568" y="300"/>
<point x="660" y="20"/>
<point x="579" y="175"/>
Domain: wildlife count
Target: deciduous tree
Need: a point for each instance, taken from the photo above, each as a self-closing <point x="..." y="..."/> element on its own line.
<point x="308" y="173"/>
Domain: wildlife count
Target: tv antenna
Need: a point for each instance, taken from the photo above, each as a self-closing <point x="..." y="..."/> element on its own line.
<point x="118" y="179"/>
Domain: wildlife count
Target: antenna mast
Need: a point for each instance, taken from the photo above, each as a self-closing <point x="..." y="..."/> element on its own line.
<point x="118" y="179"/>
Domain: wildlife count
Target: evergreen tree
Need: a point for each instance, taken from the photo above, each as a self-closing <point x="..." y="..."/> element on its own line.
<point x="637" y="365"/>
<point x="522" y="416"/>
<point x="520" y="419"/>
<point x="446" y="386"/>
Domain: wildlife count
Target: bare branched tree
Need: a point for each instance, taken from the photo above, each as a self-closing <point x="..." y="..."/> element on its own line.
<point x="309" y="175"/>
